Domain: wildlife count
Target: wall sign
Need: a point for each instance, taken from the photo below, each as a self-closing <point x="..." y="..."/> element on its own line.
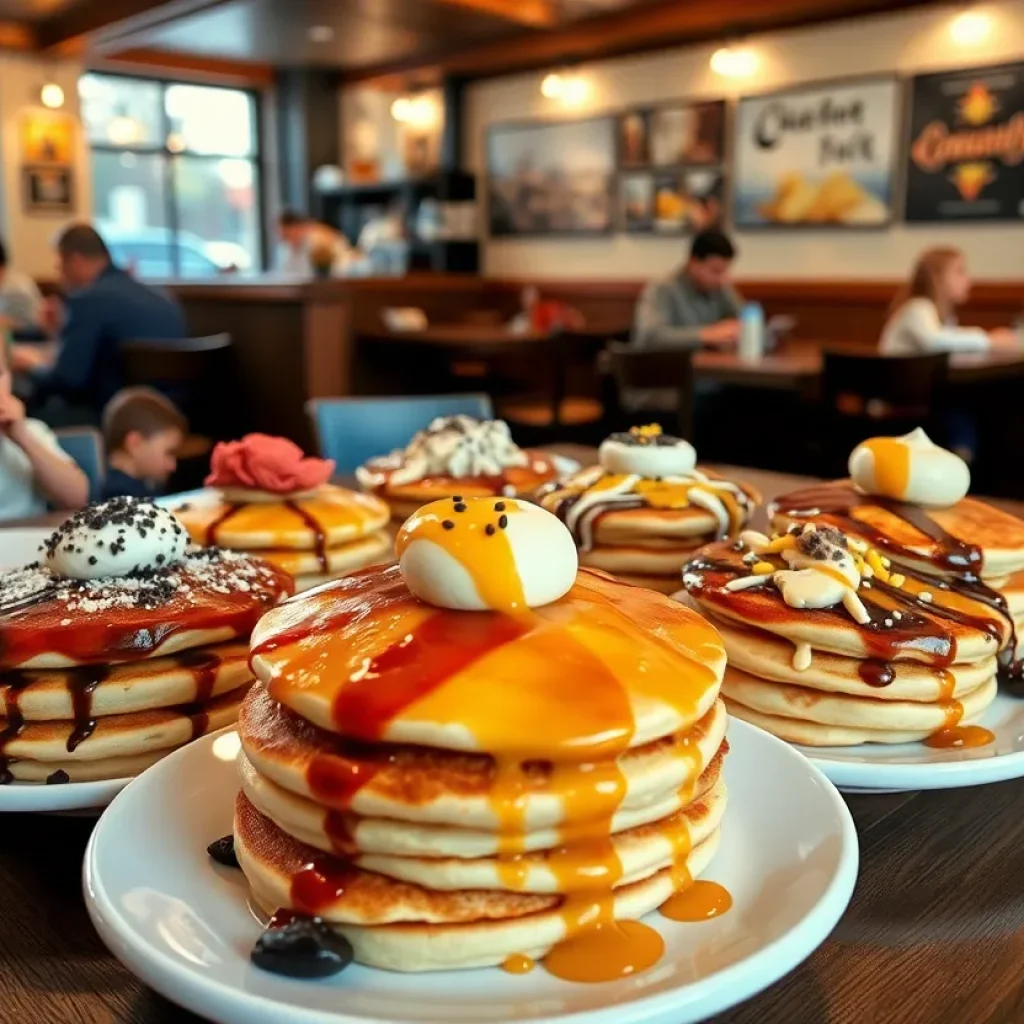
<point x="965" y="153"/>
<point x="817" y="155"/>
<point x="46" y="143"/>
<point x="547" y="178"/>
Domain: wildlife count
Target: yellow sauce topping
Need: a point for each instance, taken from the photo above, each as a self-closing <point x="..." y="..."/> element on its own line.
<point x="472" y="531"/>
<point x="892" y="465"/>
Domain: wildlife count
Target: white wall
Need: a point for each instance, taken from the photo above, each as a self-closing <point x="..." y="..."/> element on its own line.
<point x="29" y="238"/>
<point x="908" y="42"/>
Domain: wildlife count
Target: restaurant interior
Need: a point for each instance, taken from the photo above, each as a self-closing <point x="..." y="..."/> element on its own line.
<point x="496" y="432"/>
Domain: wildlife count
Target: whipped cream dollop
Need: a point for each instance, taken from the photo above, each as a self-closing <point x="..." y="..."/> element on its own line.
<point x="647" y="452"/>
<point x="115" y="538"/>
<point x="458" y="446"/>
<point x="822" y="571"/>
<point x="486" y="554"/>
<point x="262" y="467"/>
<point x="911" y="468"/>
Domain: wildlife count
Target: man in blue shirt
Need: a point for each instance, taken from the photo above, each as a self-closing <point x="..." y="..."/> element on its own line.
<point x="104" y="307"/>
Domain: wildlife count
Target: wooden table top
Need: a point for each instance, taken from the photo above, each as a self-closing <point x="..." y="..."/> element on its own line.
<point x="935" y="930"/>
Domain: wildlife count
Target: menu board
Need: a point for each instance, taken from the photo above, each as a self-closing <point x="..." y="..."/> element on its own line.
<point x="965" y="157"/>
<point x="817" y="155"/>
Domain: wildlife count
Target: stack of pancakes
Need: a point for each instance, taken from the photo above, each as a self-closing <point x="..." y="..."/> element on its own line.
<point x="101" y="678"/>
<point x="455" y="456"/>
<point x="892" y="655"/>
<point x="456" y="789"/>
<point x="971" y="546"/>
<point x="314" y="537"/>
<point x="643" y="518"/>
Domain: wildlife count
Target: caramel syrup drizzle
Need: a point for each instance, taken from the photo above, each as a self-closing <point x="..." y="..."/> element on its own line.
<point x="415" y="668"/>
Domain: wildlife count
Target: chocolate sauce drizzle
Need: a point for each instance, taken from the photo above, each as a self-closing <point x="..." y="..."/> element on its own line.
<point x="211" y="530"/>
<point x="959" y="563"/>
<point x="319" y="535"/>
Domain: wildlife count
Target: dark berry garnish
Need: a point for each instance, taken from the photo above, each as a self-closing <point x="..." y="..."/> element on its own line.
<point x="58" y="778"/>
<point x="223" y="851"/>
<point x="304" y="947"/>
<point x="499" y="506"/>
<point x="447" y="524"/>
<point x="489" y="529"/>
<point x="502" y="521"/>
<point x="460" y="506"/>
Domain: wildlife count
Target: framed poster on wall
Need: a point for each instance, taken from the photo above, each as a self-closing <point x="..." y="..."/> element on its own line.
<point x="965" y="153"/>
<point x="551" y="178"/>
<point x="817" y="155"/>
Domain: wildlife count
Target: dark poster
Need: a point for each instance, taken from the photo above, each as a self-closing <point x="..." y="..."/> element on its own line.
<point x="965" y="160"/>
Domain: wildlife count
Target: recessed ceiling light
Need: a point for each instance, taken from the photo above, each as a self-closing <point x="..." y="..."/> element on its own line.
<point x="321" y="33"/>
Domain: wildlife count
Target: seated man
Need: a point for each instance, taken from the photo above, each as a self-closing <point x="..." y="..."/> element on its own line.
<point x="21" y="303"/>
<point x="104" y="307"/>
<point x="696" y="305"/>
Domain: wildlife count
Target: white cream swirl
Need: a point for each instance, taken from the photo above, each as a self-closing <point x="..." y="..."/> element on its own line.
<point x="115" y="538"/>
<point x="458" y="446"/>
<point x="654" y="455"/>
<point x="483" y="554"/>
<point x="822" y="573"/>
<point x="911" y="468"/>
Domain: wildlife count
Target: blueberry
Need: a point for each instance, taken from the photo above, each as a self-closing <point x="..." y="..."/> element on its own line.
<point x="223" y="851"/>
<point x="303" y="948"/>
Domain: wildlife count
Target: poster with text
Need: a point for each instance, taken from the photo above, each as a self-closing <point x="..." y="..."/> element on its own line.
<point x="817" y="155"/>
<point x="965" y="157"/>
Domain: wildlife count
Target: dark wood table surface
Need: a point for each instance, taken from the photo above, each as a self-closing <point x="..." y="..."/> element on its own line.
<point x="796" y="366"/>
<point x="934" y="933"/>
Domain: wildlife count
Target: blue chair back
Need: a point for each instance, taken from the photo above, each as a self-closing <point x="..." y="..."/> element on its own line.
<point x="85" y="446"/>
<point x="352" y="430"/>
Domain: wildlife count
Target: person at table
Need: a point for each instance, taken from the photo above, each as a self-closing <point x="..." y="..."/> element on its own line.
<point x="34" y="469"/>
<point x="696" y="305"/>
<point x="923" y="317"/>
<point x="21" y="303"/>
<point x="142" y="431"/>
<point x="303" y="241"/>
<point x="104" y="307"/>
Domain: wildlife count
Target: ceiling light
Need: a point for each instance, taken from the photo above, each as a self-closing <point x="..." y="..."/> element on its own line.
<point x="321" y="33"/>
<point x="401" y="109"/>
<point x="734" y="62"/>
<point x="970" y="27"/>
<point x="52" y="95"/>
<point x="575" y="91"/>
<point x="551" y="87"/>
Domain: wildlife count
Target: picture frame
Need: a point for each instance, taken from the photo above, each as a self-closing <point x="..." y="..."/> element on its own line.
<point x="821" y="154"/>
<point x="48" y="189"/>
<point x="549" y="178"/>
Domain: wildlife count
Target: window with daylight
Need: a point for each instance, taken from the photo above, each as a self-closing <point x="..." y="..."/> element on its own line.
<point x="175" y="174"/>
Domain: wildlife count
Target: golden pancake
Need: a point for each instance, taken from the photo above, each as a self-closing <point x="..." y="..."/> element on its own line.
<point x="852" y="712"/>
<point x="335" y="561"/>
<point x="118" y="736"/>
<point x="416" y="784"/>
<point x="401" y="926"/>
<point x="969" y="535"/>
<point x="55" y="622"/>
<point x="560" y="675"/>
<point x="941" y="628"/>
<point x="195" y="675"/>
<point x="329" y="517"/>
<point x="761" y="654"/>
<point x="668" y="585"/>
<point x="375" y="843"/>
<point x="99" y="770"/>
<point x="636" y="561"/>
<point x="813" y="734"/>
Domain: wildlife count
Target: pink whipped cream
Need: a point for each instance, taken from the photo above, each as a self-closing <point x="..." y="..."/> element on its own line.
<point x="264" y="463"/>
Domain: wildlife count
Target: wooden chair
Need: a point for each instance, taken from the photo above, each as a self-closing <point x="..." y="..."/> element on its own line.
<point x="864" y="394"/>
<point x="556" y="414"/>
<point x="195" y="373"/>
<point x="628" y="368"/>
<point x="352" y="430"/>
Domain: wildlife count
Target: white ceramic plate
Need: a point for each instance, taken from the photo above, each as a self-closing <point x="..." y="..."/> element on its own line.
<point x="878" y="767"/>
<point x="71" y="796"/>
<point x="19" y="547"/>
<point x="788" y="856"/>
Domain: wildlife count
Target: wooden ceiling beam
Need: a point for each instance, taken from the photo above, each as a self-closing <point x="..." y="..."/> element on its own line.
<point x="159" y="62"/>
<point x="633" y="30"/>
<point x="70" y="30"/>
<point x="16" y="35"/>
<point x="530" y="13"/>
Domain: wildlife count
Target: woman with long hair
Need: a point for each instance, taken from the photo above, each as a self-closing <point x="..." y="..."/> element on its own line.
<point x="923" y="317"/>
